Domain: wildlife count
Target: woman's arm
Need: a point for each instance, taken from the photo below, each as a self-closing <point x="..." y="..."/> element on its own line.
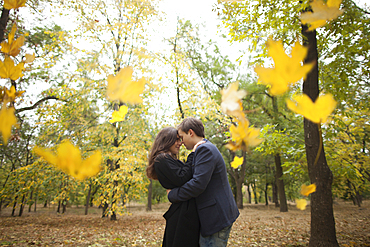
<point x="173" y="173"/>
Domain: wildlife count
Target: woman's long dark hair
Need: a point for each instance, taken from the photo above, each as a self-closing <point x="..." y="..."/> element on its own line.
<point x="162" y="143"/>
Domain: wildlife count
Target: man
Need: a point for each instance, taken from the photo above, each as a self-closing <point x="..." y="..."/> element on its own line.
<point x="215" y="202"/>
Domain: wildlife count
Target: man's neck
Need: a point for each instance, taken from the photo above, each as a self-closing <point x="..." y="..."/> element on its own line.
<point x="197" y="139"/>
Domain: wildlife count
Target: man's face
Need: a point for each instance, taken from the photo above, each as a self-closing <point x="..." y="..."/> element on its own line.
<point x="186" y="139"/>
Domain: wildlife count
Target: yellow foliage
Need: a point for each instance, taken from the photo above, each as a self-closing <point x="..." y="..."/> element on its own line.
<point x="306" y="190"/>
<point x="8" y="70"/>
<point x="301" y="203"/>
<point x="237" y="162"/>
<point x="12" y="47"/>
<point x="321" y="13"/>
<point x="118" y="116"/>
<point x="7" y="120"/>
<point x="231" y="100"/>
<point x="288" y="69"/>
<point x="14" y="4"/>
<point x="243" y="136"/>
<point x="29" y="58"/>
<point x="68" y="159"/>
<point x="12" y="94"/>
<point x="122" y="88"/>
<point x="317" y="112"/>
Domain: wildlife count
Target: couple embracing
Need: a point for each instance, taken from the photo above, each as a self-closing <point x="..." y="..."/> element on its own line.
<point x="203" y="208"/>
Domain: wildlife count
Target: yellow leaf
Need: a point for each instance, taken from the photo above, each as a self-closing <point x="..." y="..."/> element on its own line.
<point x="118" y="116"/>
<point x="306" y="190"/>
<point x="122" y="88"/>
<point x="237" y="162"/>
<point x="14" y="4"/>
<point x="243" y="136"/>
<point x="321" y="13"/>
<point x="7" y="120"/>
<point x="12" y="94"/>
<point x="317" y="112"/>
<point x="231" y="100"/>
<point x="29" y="58"/>
<point x="288" y="69"/>
<point x="301" y="203"/>
<point x="68" y="159"/>
<point x="11" y="47"/>
<point x="8" y="70"/>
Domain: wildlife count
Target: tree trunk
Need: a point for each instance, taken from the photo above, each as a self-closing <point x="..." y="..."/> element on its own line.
<point x="105" y="208"/>
<point x="45" y="203"/>
<point x="274" y="192"/>
<point x="3" y="22"/>
<point x="22" y="206"/>
<point x="64" y="206"/>
<point x="254" y="188"/>
<point x="322" y="217"/>
<point x="150" y="191"/>
<point x="35" y="202"/>
<point x="88" y="200"/>
<point x="14" y="205"/>
<point x="266" y="196"/>
<point x="249" y="194"/>
<point x="238" y="175"/>
<point x="58" y="209"/>
<point x="280" y="184"/>
<point x="30" y="206"/>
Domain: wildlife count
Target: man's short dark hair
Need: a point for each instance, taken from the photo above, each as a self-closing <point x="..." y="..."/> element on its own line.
<point x="192" y="123"/>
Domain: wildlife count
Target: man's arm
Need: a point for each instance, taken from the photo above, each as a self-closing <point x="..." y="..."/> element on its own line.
<point x="203" y="170"/>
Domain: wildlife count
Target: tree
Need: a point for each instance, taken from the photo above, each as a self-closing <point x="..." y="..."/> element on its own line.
<point x="280" y="19"/>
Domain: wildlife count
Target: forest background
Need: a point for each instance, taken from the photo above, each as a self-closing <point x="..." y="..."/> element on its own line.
<point x="184" y="77"/>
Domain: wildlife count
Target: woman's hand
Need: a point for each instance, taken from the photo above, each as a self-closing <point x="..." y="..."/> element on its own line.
<point x="196" y="145"/>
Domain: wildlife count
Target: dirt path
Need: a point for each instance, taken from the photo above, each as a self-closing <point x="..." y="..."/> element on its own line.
<point x="258" y="225"/>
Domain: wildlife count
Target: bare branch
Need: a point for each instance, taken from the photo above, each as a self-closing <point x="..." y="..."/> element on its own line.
<point x="38" y="103"/>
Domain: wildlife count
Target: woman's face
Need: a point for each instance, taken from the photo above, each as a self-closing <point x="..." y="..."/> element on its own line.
<point x="175" y="148"/>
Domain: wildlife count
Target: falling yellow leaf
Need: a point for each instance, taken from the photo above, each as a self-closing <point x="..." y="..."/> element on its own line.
<point x="237" y="162"/>
<point x="118" y="116"/>
<point x="301" y="203"/>
<point x="122" y="88"/>
<point x="68" y="159"/>
<point x="14" y="4"/>
<point x="306" y="190"/>
<point x="29" y="58"/>
<point x="231" y="100"/>
<point x="12" y="94"/>
<point x="12" y="47"/>
<point x="8" y="70"/>
<point x="321" y="13"/>
<point x="317" y="112"/>
<point x="243" y="136"/>
<point x="7" y="120"/>
<point x="288" y="69"/>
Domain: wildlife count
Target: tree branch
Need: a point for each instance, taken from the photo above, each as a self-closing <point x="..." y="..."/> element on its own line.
<point x="38" y="103"/>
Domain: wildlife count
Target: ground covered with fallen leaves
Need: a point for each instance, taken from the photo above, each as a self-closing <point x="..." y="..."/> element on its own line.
<point x="258" y="225"/>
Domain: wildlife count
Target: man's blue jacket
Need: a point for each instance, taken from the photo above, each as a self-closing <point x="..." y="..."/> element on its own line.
<point x="211" y="189"/>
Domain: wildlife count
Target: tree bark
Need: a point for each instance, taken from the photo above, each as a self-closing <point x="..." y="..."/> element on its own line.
<point x="88" y="200"/>
<point x="322" y="218"/>
<point x="22" y="206"/>
<point x="275" y="194"/>
<point x="249" y="194"/>
<point x="14" y="205"/>
<point x="150" y="191"/>
<point x="3" y="22"/>
<point x="58" y="209"/>
<point x="280" y="184"/>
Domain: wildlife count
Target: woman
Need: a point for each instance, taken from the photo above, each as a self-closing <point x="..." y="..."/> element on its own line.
<point x="182" y="221"/>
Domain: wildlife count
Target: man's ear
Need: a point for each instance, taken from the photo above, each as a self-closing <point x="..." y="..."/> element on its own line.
<point x="191" y="132"/>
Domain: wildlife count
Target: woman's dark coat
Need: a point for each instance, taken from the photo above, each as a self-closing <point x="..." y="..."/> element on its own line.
<point x="182" y="220"/>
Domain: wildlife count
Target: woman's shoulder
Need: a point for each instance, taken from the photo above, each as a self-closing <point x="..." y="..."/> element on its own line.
<point x="163" y="157"/>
